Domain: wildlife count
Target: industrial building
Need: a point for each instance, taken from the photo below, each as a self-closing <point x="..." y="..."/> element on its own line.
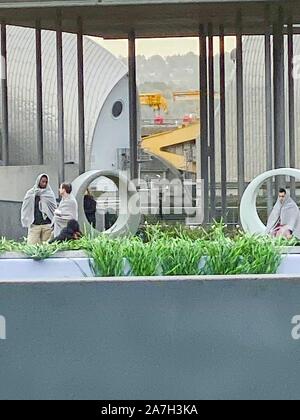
<point x="106" y="97"/>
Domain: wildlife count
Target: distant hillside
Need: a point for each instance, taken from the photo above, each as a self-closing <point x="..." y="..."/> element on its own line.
<point x="173" y="73"/>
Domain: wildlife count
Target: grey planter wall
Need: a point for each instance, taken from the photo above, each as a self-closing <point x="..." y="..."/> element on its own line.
<point x="162" y="339"/>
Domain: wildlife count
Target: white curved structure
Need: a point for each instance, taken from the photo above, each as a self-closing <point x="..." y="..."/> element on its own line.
<point x="129" y="210"/>
<point x="248" y="212"/>
<point x="106" y="82"/>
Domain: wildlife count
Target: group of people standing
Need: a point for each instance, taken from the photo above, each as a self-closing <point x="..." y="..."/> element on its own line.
<point x="45" y="220"/>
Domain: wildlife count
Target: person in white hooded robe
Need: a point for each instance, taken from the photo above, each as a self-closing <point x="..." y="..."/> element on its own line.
<point x="38" y="209"/>
<point x="284" y="221"/>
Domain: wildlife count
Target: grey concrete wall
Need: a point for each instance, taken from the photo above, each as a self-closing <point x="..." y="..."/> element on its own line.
<point x="180" y="339"/>
<point x="14" y="182"/>
<point x="10" y="221"/>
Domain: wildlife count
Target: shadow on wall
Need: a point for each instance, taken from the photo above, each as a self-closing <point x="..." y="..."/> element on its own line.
<point x="10" y="221"/>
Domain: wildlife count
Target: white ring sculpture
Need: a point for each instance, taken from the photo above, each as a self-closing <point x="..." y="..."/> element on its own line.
<point x="129" y="215"/>
<point x="248" y="212"/>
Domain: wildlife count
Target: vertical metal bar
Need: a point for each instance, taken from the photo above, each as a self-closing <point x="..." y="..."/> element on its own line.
<point x="240" y="109"/>
<point x="204" y="120"/>
<point x="223" y="125"/>
<point x="39" y="95"/>
<point x="212" y="145"/>
<point x="60" y="101"/>
<point x="4" y="95"/>
<point x="269" y="119"/>
<point x="81" y="111"/>
<point x="292" y="140"/>
<point x="279" y="98"/>
<point x="133" y="105"/>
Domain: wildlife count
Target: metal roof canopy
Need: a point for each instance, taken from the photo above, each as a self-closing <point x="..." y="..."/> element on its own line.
<point x="149" y="19"/>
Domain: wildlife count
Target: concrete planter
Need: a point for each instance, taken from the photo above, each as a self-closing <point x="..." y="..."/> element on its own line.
<point x="67" y="265"/>
<point x="150" y="339"/>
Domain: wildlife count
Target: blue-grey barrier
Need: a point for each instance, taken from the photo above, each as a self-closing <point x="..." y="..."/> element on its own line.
<point x="150" y="339"/>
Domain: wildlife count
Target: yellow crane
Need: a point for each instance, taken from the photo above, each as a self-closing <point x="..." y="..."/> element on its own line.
<point x="186" y="95"/>
<point x="160" y="144"/>
<point x="156" y="101"/>
<point x="170" y="145"/>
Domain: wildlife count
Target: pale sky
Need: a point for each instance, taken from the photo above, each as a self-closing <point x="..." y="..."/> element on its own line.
<point x="164" y="47"/>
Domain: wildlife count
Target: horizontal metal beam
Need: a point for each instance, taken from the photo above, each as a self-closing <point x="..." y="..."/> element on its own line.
<point x="161" y="19"/>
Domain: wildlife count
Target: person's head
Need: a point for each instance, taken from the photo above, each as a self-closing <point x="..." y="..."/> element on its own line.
<point x="282" y="195"/>
<point x="44" y="180"/>
<point x="65" y="189"/>
<point x="73" y="226"/>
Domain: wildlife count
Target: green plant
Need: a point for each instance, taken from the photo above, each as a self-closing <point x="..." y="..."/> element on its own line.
<point x="261" y="255"/>
<point x="171" y="251"/>
<point x="154" y="232"/>
<point x="41" y="251"/>
<point x="82" y="244"/>
<point x="107" y="257"/>
<point x="244" y="255"/>
<point x="144" y="259"/>
<point x="182" y="257"/>
<point x="7" y="246"/>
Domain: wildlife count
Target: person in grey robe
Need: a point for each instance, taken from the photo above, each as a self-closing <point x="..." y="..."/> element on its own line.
<point x="37" y="211"/>
<point x="284" y="221"/>
<point x="67" y="210"/>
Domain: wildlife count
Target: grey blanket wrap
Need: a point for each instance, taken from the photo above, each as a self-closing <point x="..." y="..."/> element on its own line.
<point x="286" y="214"/>
<point x="47" y="203"/>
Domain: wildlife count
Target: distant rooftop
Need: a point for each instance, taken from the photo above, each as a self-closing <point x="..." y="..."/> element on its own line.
<point x="149" y="19"/>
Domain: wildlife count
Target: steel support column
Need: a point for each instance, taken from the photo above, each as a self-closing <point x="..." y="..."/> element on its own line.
<point x="4" y="97"/>
<point x="279" y="98"/>
<point x="204" y="121"/>
<point x="269" y="114"/>
<point x="223" y="125"/>
<point x="39" y="95"/>
<point x="240" y="109"/>
<point x="292" y="139"/>
<point x="212" y="140"/>
<point x="60" y="102"/>
<point x="81" y="110"/>
<point x="133" y="123"/>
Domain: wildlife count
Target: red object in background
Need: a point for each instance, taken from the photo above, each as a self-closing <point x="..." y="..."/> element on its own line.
<point x="187" y="119"/>
<point x="159" y="120"/>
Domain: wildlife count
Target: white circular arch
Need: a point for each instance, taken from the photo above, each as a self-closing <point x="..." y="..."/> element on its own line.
<point x="130" y="213"/>
<point x="248" y="212"/>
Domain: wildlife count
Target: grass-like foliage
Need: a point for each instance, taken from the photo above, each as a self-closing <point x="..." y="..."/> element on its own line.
<point x="182" y="256"/>
<point x="143" y="258"/>
<point x="170" y="252"/>
<point x="245" y="254"/>
<point x="107" y="257"/>
<point x="7" y="246"/>
<point x="40" y="252"/>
